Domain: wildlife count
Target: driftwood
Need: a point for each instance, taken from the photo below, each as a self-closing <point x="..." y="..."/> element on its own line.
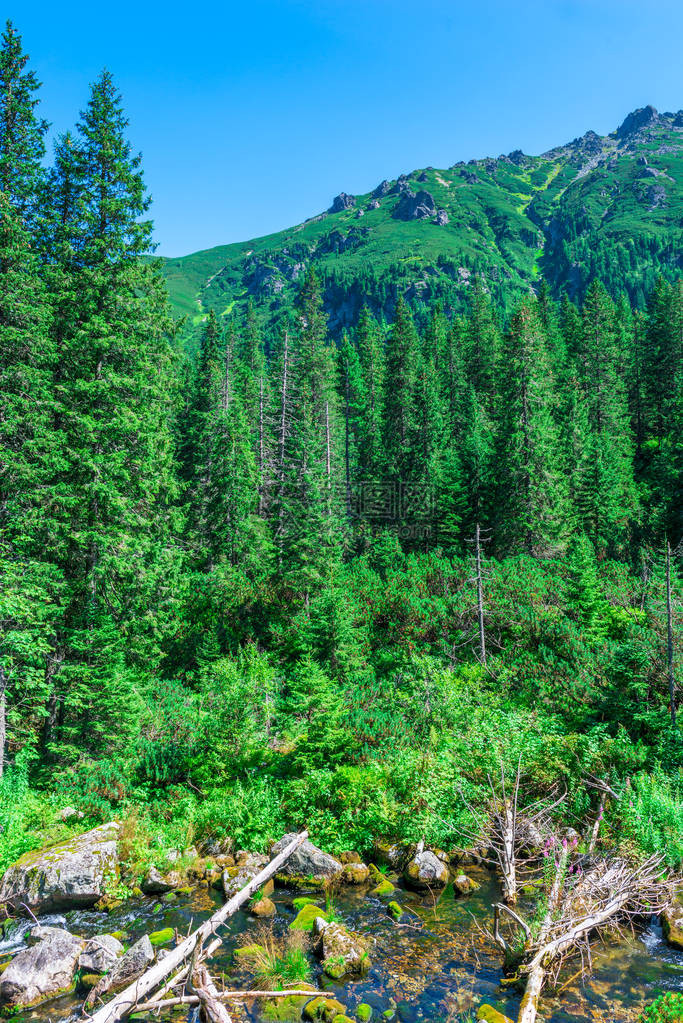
<point x="222" y="996"/>
<point x="189" y="954"/>
<point x="580" y="902"/>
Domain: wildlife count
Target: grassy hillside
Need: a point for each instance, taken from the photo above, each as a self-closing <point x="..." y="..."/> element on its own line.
<point x="610" y="207"/>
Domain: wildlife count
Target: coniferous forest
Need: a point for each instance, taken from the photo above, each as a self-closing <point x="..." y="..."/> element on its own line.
<point x="300" y="578"/>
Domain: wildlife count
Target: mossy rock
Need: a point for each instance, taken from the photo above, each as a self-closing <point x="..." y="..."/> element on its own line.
<point x="350" y="856"/>
<point x="488" y="1014"/>
<point x="163" y="937"/>
<point x="168" y="897"/>
<point x="4" y="965"/>
<point x="672" y="924"/>
<point x="185" y="890"/>
<point x="268" y="888"/>
<point x="246" y="951"/>
<point x="364" y="1012"/>
<point x="306" y="918"/>
<point x="385" y="887"/>
<point x="265" y="907"/>
<point x="87" y="981"/>
<point x="394" y="910"/>
<point x="288" y="1010"/>
<point x="342" y="1019"/>
<point x="324" y="1009"/>
<point x="389" y="1014"/>
<point x="375" y="873"/>
<point x="121" y="936"/>
<point x="136" y="893"/>
<point x="302" y="900"/>
<point x="298" y="881"/>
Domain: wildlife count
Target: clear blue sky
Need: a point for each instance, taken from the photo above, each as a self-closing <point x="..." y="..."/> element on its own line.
<point x="252" y="116"/>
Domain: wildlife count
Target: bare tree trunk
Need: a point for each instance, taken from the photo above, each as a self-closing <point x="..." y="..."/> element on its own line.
<point x="670" y="637"/>
<point x="480" y="598"/>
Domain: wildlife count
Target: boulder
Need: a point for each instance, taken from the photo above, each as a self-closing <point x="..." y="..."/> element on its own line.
<point x="156" y="883"/>
<point x="441" y="218"/>
<point x="487" y="1014"/>
<point x="131" y="965"/>
<point x="66" y="875"/>
<point x="341" y="952"/>
<point x="41" y="931"/>
<point x="465" y="885"/>
<point x="100" y="954"/>
<point x="672" y="924"/>
<point x="355" y="873"/>
<point x="42" y="972"/>
<point x="323" y="1009"/>
<point x="307" y="861"/>
<point x="248" y="866"/>
<point x="70" y="813"/>
<point x="265" y="907"/>
<point x="425" y="872"/>
<point x="395" y="856"/>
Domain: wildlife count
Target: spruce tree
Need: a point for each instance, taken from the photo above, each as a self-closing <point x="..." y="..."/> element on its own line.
<point x="114" y="405"/>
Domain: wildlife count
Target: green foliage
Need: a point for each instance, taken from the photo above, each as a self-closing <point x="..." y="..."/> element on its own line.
<point x="650" y="815"/>
<point x="668" y="1008"/>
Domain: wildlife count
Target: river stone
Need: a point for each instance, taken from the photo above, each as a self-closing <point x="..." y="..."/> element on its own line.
<point x="340" y="951"/>
<point x="131" y="965"/>
<point x="487" y="1014"/>
<point x="41" y="931"/>
<point x="465" y="885"/>
<point x="100" y="954"/>
<point x="263" y="908"/>
<point x="235" y="878"/>
<point x="66" y="875"/>
<point x="425" y="871"/>
<point x="672" y="924"/>
<point x="306" y="861"/>
<point x="42" y="972"/>
<point x="356" y="873"/>
<point x="156" y="883"/>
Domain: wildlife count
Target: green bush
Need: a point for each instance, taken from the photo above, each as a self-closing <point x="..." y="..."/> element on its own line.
<point x="665" y="1009"/>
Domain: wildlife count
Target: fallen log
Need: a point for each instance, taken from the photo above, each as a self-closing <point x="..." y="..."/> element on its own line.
<point x="223" y="996"/>
<point x="211" y="1008"/>
<point x="125" y="1002"/>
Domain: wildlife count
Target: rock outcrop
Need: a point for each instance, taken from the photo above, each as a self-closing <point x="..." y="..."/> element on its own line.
<point x="41" y="972"/>
<point x="342" y="202"/>
<point x="412" y="206"/>
<point x="64" y="876"/>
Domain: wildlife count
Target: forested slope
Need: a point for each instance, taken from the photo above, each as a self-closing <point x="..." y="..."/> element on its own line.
<point x="602" y="207"/>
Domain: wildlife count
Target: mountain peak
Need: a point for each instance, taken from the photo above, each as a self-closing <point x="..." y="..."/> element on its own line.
<point x="637" y="119"/>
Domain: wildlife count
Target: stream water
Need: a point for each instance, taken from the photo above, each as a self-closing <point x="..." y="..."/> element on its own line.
<point x="434" y="967"/>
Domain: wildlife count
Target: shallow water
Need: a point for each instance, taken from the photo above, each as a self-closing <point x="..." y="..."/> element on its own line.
<point x="436" y="965"/>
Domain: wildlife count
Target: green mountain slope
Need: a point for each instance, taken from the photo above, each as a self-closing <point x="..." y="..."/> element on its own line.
<point x="601" y="206"/>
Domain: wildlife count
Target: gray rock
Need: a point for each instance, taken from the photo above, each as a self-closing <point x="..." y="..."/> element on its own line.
<point x="342" y="202"/>
<point x="382" y="189"/>
<point x="41" y="931"/>
<point x="425" y="871"/>
<point x="69" y="812"/>
<point x="66" y="875"/>
<point x="156" y="884"/>
<point x="250" y="864"/>
<point x="307" y="860"/>
<point x="100" y="954"/>
<point x="341" y="951"/>
<point x="411" y="206"/>
<point x="644" y="117"/>
<point x="373" y="204"/>
<point x="441" y="218"/>
<point x="42" y="972"/>
<point x="131" y="965"/>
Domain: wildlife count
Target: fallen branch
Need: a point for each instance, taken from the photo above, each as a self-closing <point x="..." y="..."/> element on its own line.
<point x="126" y="1002"/>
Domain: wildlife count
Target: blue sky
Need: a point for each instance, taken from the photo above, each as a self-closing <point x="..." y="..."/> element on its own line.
<point x="251" y="117"/>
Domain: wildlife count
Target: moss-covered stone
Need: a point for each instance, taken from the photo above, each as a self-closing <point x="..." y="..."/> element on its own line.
<point x="350" y="856"/>
<point x="465" y="885"/>
<point x="245" y="952"/>
<point x="307" y="916"/>
<point x="488" y="1014"/>
<point x="264" y="907"/>
<point x="355" y="873"/>
<point x="324" y="1009"/>
<point x="302" y="900"/>
<point x="342" y="1019"/>
<point x="364" y="1012"/>
<point x="394" y="910"/>
<point x="87" y="981"/>
<point x="385" y="887"/>
<point x="389" y="1014"/>
<point x="163" y="937"/>
<point x="375" y="873"/>
<point x="672" y="924"/>
<point x="268" y="888"/>
<point x="299" y="881"/>
<point x="287" y="1010"/>
<point x="186" y="889"/>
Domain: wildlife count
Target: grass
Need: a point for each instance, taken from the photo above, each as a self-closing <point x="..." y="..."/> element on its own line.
<point x="278" y="962"/>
